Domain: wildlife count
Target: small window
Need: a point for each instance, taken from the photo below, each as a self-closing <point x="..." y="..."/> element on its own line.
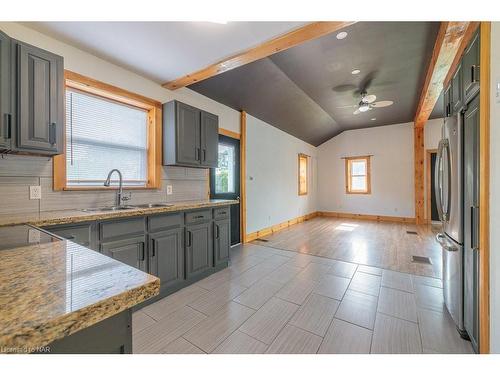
<point x="357" y="171"/>
<point x="108" y="128"/>
<point x="225" y="172"/>
<point x="303" y="174"/>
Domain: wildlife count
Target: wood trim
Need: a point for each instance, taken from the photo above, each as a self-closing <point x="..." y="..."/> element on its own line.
<point x="243" y="177"/>
<point x="418" y="159"/>
<point x="278" y="227"/>
<point x="348" y="161"/>
<point x="345" y="215"/>
<point x="281" y="43"/>
<point x="229" y="133"/>
<point x="446" y="48"/>
<point x="154" y="109"/>
<point x="484" y="189"/>
<point x="299" y="158"/>
<point x="428" y="178"/>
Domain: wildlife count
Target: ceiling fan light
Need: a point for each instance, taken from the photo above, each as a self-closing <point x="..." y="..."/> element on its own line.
<point x="364" y="107"/>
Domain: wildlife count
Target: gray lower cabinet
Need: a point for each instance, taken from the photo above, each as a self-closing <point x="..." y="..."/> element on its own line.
<point x="222" y="241"/>
<point x="199" y="249"/>
<point x="166" y="257"/>
<point x="39" y="86"/>
<point x="5" y="92"/>
<point x="131" y="251"/>
<point x="82" y="234"/>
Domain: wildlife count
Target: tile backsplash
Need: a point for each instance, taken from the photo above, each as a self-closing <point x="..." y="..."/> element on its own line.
<point x="18" y="172"/>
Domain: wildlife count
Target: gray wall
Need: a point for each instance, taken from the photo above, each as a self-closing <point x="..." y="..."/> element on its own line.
<point x="18" y="172"/>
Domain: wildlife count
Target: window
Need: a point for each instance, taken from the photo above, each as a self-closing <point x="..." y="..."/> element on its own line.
<point x="357" y="172"/>
<point x="225" y="172"/>
<point x="303" y="174"/>
<point x="108" y="128"/>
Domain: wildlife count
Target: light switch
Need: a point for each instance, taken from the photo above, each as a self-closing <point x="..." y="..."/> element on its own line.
<point x="36" y="192"/>
<point x="169" y="190"/>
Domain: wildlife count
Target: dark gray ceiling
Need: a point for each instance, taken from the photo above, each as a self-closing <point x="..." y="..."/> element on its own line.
<point x="293" y="90"/>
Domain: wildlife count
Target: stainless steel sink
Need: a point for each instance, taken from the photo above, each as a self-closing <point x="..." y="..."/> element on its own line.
<point x="154" y="205"/>
<point x="109" y="208"/>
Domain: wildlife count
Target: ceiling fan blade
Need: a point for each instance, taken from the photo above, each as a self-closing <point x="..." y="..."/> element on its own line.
<point x="382" y="103"/>
<point x="357" y="111"/>
<point x="347" y="106"/>
<point x="368" y="80"/>
<point x="369" y="98"/>
<point x="344" y="88"/>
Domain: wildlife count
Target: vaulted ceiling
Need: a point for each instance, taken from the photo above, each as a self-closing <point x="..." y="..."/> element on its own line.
<point x="310" y="92"/>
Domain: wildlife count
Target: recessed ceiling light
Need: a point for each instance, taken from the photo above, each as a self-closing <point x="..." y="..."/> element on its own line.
<point x="341" y="35"/>
<point x="356" y="71"/>
<point x="220" y="22"/>
<point x="373" y="119"/>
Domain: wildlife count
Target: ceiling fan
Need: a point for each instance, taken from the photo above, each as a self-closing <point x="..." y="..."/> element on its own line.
<point x="367" y="102"/>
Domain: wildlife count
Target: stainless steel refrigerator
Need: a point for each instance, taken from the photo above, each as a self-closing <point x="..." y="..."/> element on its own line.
<point x="449" y="201"/>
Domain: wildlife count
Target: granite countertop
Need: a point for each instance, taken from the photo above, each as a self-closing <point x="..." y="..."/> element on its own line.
<point x="41" y="219"/>
<point x="50" y="290"/>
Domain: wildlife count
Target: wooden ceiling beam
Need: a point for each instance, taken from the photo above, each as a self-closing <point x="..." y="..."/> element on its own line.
<point x="446" y="48"/>
<point x="281" y="43"/>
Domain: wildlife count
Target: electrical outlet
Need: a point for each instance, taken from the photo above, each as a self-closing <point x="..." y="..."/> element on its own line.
<point x="169" y="190"/>
<point x="36" y="192"/>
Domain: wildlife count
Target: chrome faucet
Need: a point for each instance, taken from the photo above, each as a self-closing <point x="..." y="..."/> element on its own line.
<point x="119" y="193"/>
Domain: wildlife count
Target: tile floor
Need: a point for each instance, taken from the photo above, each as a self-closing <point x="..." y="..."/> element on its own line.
<point x="277" y="301"/>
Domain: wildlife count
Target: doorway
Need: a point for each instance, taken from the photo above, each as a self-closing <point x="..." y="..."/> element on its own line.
<point x="432" y="214"/>
<point x="225" y="180"/>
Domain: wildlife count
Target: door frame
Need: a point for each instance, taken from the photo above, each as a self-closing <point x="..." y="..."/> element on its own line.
<point x="428" y="179"/>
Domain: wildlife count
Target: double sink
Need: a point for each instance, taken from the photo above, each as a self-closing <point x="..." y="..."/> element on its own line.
<point x="127" y="207"/>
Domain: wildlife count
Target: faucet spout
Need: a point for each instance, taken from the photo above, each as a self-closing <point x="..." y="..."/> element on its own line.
<point x="119" y="193"/>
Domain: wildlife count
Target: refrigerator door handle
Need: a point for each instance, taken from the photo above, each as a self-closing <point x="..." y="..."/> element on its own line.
<point x="473" y="235"/>
<point x="437" y="181"/>
<point x="441" y="239"/>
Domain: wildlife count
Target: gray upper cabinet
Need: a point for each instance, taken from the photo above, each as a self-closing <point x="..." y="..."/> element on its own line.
<point x="222" y="241"/>
<point x="470" y="69"/>
<point x="456" y="91"/>
<point x="5" y="92"/>
<point x="190" y="136"/>
<point x="131" y="251"/>
<point x="166" y="257"/>
<point x="447" y="101"/>
<point x="199" y="249"/>
<point x="39" y="101"/>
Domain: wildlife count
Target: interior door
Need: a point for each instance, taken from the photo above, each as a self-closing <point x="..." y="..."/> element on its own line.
<point x="225" y="180"/>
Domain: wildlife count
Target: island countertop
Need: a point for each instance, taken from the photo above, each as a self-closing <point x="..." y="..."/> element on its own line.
<point x="50" y="290"/>
<point x="47" y="218"/>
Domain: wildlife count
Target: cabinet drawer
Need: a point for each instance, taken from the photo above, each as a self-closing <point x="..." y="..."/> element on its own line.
<point x="80" y="234"/>
<point x="198" y="216"/>
<point x="162" y="222"/>
<point x="221" y="213"/>
<point x="127" y="227"/>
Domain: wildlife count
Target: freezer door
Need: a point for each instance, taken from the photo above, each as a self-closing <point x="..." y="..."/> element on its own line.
<point x="451" y="160"/>
<point x="452" y="278"/>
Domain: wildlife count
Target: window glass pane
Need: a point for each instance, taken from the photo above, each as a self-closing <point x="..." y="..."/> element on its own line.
<point x="101" y="135"/>
<point x="224" y="174"/>
<point x="303" y="175"/>
<point x="358" y="183"/>
<point x="358" y="167"/>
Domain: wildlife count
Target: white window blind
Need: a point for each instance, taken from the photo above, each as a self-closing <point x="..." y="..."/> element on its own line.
<point x="103" y="134"/>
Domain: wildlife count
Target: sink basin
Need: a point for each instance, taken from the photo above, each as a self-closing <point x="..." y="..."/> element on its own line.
<point x="154" y="205"/>
<point x="109" y="208"/>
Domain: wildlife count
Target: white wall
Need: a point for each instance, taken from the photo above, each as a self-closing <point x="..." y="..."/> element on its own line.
<point x="392" y="169"/>
<point x="495" y="192"/>
<point x="272" y="176"/>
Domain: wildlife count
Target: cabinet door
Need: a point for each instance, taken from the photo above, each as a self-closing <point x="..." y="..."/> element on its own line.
<point x="209" y="139"/>
<point x="5" y="92"/>
<point x="40" y="93"/>
<point x="222" y="240"/>
<point x="456" y="91"/>
<point x="188" y="134"/>
<point x="470" y="67"/>
<point x="447" y="101"/>
<point x="199" y="249"/>
<point x="131" y="251"/>
<point x="166" y="259"/>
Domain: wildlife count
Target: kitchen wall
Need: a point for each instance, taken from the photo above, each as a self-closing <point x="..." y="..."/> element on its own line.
<point x="392" y="169"/>
<point x="495" y="191"/>
<point x="17" y="173"/>
<point x="272" y="176"/>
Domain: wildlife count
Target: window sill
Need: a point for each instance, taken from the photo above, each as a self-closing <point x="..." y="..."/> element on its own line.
<point x="112" y="188"/>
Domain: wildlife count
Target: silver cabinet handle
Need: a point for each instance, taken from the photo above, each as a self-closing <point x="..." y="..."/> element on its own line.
<point x="52" y="133"/>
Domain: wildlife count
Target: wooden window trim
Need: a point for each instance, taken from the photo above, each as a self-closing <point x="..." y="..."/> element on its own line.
<point x="154" y="110"/>
<point x="300" y="157"/>
<point x="348" y="161"/>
